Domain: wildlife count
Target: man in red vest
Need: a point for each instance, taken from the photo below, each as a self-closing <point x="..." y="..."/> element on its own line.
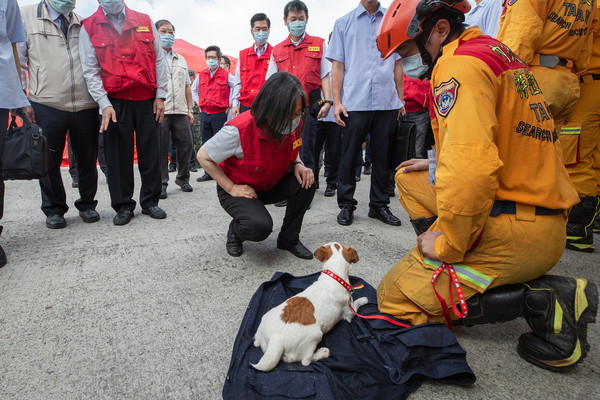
<point x="124" y="69"/>
<point x="302" y="56"/>
<point x="252" y="65"/>
<point x="213" y="85"/>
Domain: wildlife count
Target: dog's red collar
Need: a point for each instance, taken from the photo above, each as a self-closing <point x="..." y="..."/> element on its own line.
<point x="342" y="282"/>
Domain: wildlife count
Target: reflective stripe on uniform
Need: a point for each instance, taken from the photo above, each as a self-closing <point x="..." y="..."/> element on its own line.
<point x="570" y="131"/>
<point x="466" y="273"/>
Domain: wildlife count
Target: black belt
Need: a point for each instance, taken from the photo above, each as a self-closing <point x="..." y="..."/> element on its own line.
<point x="595" y="77"/>
<point x="510" y="207"/>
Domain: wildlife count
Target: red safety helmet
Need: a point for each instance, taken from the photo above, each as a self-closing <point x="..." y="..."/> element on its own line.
<point x="403" y="19"/>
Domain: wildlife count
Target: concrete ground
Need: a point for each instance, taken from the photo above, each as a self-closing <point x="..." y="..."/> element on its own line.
<point x="150" y="310"/>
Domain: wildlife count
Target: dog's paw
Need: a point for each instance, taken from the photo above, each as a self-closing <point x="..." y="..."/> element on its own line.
<point x="321" y="353"/>
<point x="360" y="302"/>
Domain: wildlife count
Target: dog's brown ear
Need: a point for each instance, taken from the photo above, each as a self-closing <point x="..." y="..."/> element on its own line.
<point x="350" y="255"/>
<point x="323" y="253"/>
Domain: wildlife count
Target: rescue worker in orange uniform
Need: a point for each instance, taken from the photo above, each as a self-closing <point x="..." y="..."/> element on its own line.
<point x="302" y="56"/>
<point x="252" y="65"/>
<point x="500" y="196"/>
<point x="554" y="37"/>
<point x="583" y="128"/>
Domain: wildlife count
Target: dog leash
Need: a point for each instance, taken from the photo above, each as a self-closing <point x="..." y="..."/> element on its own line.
<point x="350" y="289"/>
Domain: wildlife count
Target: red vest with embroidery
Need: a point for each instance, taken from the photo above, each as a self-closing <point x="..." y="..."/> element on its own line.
<point x="127" y="60"/>
<point x="253" y="70"/>
<point x="302" y="61"/>
<point x="213" y="93"/>
<point x="265" y="161"/>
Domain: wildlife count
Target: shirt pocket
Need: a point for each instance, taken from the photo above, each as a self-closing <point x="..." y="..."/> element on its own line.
<point x="256" y="165"/>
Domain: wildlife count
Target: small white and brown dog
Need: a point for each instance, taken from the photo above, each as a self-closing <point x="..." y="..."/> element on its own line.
<point x="292" y="330"/>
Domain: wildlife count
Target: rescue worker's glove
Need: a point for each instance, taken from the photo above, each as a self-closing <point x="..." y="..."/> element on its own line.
<point x="316" y="107"/>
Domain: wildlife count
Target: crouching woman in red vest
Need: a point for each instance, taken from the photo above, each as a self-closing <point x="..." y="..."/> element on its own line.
<point x="250" y="159"/>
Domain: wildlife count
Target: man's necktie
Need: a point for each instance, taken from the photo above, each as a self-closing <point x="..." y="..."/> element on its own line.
<point x="64" y="25"/>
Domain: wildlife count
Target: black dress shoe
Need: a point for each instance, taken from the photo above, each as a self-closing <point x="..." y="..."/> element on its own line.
<point x="367" y="170"/>
<point x="234" y="246"/>
<point x="172" y="168"/>
<point x="163" y="194"/>
<point x="330" y="191"/>
<point x="316" y="185"/>
<point x="55" y="221"/>
<point x="88" y="216"/>
<point x="281" y="204"/>
<point x="123" y="217"/>
<point x="298" y="249"/>
<point x="345" y="216"/>
<point x="186" y="187"/>
<point x="74" y="184"/>
<point x="204" y="178"/>
<point x="357" y="178"/>
<point x="193" y="169"/>
<point x="384" y="215"/>
<point x="155" y="212"/>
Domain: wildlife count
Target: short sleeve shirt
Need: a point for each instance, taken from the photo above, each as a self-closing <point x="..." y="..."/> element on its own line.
<point x="11" y="31"/>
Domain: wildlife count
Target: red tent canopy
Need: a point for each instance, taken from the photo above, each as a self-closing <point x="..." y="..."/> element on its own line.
<point x="195" y="59"/>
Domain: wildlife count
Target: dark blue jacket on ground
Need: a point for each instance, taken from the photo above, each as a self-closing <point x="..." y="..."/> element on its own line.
<point x="370" y="359"/>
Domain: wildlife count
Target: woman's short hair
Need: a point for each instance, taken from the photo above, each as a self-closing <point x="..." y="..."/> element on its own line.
<point x="274" y="106"/>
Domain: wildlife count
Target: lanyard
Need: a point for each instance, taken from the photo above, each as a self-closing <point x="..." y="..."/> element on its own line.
<point x="461" y="297"/>
<point x="349" y="288"/>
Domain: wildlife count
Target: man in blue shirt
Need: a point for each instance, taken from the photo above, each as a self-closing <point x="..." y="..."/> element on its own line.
<point x="11" y="32"/>
<point x="367" y="93"/>
<point x="486" y="15"/>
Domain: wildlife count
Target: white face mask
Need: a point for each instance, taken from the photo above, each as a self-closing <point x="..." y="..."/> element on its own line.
<point x="112" y="6"/>
<point x="413" y="66"/>
<point x="292" y="128"/>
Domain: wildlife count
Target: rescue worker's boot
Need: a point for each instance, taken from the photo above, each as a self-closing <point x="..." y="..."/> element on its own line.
<point x="580" y="226"/>
<point x="422" y="225"/>
<point x="597" y="223"/>
<point x="558" y="313"/>
<point x="557" y="309"/>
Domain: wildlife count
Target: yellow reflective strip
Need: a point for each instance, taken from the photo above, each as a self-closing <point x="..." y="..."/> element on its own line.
<point x="581" y="302"/>
<point x="567" y="361"/>
<point x="570" y="131"/>
<point x="558" y="316"/>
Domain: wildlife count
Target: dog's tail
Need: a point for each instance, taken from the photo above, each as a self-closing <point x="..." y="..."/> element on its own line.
<point x="272" y="356"/>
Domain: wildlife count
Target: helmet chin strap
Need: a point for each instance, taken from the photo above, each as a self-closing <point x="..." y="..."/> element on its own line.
<point x="427" y="57"/>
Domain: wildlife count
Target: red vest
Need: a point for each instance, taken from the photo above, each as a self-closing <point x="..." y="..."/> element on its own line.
<point x="302" y="61"/>
<point x="253" y="70"/>
<point x="127" y="60"/>
<point x="213" y="93"/>
<point x="265" y="161"/>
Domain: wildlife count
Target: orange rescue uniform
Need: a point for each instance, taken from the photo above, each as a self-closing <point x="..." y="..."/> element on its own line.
<point x="496" y="142"/>
<point x="581" y="131"/>
<point x="545" y="32"/>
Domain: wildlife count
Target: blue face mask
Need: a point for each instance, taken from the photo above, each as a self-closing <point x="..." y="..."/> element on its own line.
<point x="112" y="6"/>
<point x="62" y="6"/>
<point x="261" y="37"/>
<point x="212" y="64"/>
<point x="167" y="40"/>
<point x="297" y="28"/>
<point x="413" y="66"/>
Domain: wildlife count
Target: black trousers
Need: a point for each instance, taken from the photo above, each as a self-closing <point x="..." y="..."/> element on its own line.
<point x="83" y="129"/>
<point x="252" y="221"/>
<point x="307" y="151"/>
<point x="381" y="125"/>
<point x="211" y="124"/>
<point x="133" y="116"/>
<point x="3" y="129"/>
<point x="330" y="135"/>
<point x="177" y="129"/>
<point x="73" y="161"/>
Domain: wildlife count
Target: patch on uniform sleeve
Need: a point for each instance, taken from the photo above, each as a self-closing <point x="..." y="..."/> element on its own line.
<point x="511" y="2"/>
<point x="445" y="96"/>
<point x="297" y="144"/>
<point x="142" y="29"/>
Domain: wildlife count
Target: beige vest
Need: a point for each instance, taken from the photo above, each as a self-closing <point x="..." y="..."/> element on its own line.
<point x="176" y="102"/>
<point x="55" y="74"/>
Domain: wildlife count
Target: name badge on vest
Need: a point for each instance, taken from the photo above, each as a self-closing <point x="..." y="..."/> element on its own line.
<point x="142" y="29"/>
<point x="297" y="144"/>
<point x="314" y="48"/>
